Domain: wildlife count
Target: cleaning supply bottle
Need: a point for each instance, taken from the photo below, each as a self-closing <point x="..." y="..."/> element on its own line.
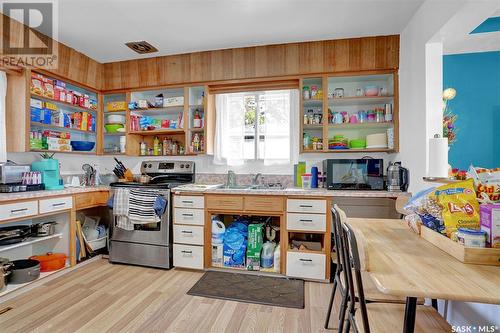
<point x="267" y="257"/>
<point x="218" y="231"/>
<point x="277" y="256"/>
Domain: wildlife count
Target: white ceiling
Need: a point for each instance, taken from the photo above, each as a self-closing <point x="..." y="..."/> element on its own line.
<point x="99" y="28"/>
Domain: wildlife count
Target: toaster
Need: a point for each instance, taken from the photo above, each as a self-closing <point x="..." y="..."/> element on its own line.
<point x="12" y="173"/>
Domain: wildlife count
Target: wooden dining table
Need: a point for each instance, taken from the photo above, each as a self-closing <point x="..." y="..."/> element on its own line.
<point x="401" y="263"/>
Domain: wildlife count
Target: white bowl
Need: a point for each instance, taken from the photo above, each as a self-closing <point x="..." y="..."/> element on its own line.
<point x="115" y="119"/>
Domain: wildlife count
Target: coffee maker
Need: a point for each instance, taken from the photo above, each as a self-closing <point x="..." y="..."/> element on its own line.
<point x="398" y="178"/>
<point x="51" y="177"/>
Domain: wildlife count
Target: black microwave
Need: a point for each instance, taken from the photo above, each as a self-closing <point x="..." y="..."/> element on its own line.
<point x="354" y="174"/>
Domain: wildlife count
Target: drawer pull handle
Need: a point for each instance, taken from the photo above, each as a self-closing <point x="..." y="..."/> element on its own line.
<point x="187" y="201"/>
<point x="13" y="211"/>
<point x="305" y="206"/>
<point x="306" y="221"/>
<point x="58" y="204"/>
<point x="307" y="260"/>
<point x="186" y="232"/>
<point x="189" y="215"/>
<point x="187" y="252"/>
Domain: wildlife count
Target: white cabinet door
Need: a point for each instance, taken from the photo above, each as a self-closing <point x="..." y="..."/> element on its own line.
<point x="188" y="234"/>
<point x="55" y="204"/>
<point x="189" y="216"/>
<point x="188" y="256"/>
<point x="306" y="222"/>
<point x="305" y="265"/>
<point x="18" y="209"/>
<point x="189" y="201"/>
<point x="306" y="206"/>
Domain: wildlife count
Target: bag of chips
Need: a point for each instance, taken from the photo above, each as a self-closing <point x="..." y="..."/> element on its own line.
<point x="460" y="208"/>
<point x="487" y="183"/>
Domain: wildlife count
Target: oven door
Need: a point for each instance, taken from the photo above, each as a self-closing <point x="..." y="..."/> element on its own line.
<point x="153" y="233"/>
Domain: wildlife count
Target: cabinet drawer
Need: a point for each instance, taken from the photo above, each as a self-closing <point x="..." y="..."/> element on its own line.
<point x="91" y="199"/>
<point x="264" y="203"/>
<point x="18" y="209"/>
<point x="305" y="265"/>
<point x="189" y="216"/>
<point x="306" y="222"/>
<point x="306" y="206"/>
<point x="227" y="202"/>
<point x="189" y="201"/>
<point x="56" y="204"/>
<point x="187" y="234"/>
<point x="188" y="256"/>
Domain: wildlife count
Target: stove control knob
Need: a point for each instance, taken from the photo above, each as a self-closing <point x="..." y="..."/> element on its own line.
<point x="182" y="166"/>
<point x="149" y="166"/>
<point x="187" y="166"/>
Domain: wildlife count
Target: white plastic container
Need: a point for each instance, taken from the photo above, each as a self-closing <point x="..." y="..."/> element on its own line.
<point x="218" y="230"/>
<point x="277" y="258"/>
<point x="306" y="180"/>
<point x="267" y="257"/>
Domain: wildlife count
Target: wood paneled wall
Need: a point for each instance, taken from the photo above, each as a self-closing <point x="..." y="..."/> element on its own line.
<point x="343" y="55"/>
<point x="72" y="65"/>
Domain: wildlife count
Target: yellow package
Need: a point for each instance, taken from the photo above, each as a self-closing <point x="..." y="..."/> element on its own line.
<point x="460" y="208"/>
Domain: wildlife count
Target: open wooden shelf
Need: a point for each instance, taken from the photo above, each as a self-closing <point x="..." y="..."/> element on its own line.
<point x="158" y="132"/>
<point x="361" y="100"/>
<point x="29" y="241"/>
<point x="11" y="287"/>
<point x="63" y="152"/>
<point x="65" y="104"/>
<point x="59" y="128"/>
<point x="362" y="125"/>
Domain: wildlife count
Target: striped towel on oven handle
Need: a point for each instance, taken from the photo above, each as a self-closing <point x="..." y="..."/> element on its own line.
<point x="141" y="206"/>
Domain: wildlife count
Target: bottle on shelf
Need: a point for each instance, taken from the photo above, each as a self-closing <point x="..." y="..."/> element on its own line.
<point x="196" y="119"/>
<point x="143" y="149"/>
<point x="156" y="146"/>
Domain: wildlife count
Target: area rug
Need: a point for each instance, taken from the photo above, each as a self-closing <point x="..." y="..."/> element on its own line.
<point x="266" y="290"/>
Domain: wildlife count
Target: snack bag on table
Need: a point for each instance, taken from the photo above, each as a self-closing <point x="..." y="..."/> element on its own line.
<point x="487" y="183"/>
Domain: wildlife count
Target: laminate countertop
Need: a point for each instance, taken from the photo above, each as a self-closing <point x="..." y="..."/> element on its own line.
<point x="318" y="192"/>
<point x="5" y="197"/>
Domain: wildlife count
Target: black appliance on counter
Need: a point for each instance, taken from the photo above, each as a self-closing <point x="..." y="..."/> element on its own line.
<point x="151" y="245"/>
<point x="354" y="174"/>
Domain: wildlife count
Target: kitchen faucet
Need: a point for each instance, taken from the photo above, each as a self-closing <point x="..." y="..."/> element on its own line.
<point x="231" y="178"/>
<point x="256" y="179"/>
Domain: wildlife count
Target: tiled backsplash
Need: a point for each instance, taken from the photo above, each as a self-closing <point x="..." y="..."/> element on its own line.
<point x="220" y="178"/>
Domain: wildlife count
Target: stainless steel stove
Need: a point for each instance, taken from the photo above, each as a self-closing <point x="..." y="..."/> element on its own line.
<point x="151" y="244"/>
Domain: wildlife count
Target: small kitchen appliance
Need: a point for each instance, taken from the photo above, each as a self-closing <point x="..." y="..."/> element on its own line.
<point x="151" y="244"/>
<point x="398" y="178"/>
<point x="51" y="177"/>
<point x="354" y="174"/>
<point x="12" y="173"/>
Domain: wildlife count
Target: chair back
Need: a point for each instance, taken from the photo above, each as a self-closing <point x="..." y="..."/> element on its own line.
<point x="336" y="232"/>
<point x="352" y="257"/>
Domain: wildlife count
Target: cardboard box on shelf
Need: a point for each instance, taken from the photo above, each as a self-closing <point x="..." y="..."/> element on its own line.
<point x="254" y="246"/>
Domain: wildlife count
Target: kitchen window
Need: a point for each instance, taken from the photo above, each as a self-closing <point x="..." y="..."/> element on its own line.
<point x="256" y="126"/>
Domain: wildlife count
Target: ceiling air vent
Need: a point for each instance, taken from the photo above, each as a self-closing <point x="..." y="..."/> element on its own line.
<point x="142" y="47"/>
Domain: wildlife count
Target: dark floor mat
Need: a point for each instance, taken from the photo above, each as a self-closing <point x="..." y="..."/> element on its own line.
<point x="248" y="288"/>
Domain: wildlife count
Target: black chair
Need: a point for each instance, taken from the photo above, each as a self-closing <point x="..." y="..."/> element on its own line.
<point x="337" y="280"/>
<point x="379" y="317"/>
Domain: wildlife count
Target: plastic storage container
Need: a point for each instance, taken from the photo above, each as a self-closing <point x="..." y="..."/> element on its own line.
<point x="267" y="257"/>
<point x="306" y="180"/>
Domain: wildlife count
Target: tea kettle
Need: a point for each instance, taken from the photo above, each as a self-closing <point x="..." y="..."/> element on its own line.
<point x="398" y="178"/>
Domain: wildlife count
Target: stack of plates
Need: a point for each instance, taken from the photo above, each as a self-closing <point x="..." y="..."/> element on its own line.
<point x="378" y="140"/>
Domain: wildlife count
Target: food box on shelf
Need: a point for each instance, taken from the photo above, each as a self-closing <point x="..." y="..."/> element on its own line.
<point x="116" y="106"/>
<point x="36" y="114"/>
<point x="36" y="103"/>
<point x="50" y="106"/>
<point x="490" y="223"/>
<point x="173" y="101"/>
<point x="58" y="144"/>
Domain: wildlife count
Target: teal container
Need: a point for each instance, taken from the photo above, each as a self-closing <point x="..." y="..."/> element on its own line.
<point x="51" y="177"/>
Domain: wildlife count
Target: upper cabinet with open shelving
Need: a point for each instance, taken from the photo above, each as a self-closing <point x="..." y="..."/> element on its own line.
<point x="350" y="113"/>
<point x="63" y="116"/>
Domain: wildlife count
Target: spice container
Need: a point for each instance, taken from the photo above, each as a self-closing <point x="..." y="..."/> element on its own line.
<point x="314" y="92"/>
<point x="306" y="92"/>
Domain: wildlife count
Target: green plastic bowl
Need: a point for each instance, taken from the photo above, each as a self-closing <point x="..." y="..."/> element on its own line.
<point x="357" y="144"/>
<point x="113" y="128"/>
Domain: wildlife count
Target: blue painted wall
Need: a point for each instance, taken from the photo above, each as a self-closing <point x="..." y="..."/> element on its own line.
<point x="476" y="77"/>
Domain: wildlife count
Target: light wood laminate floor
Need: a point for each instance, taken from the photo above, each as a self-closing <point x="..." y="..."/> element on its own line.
<point x="102" y="297"/>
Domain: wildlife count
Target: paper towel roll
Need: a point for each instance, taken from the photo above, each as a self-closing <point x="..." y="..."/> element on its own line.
<point x="438" y="157"/>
